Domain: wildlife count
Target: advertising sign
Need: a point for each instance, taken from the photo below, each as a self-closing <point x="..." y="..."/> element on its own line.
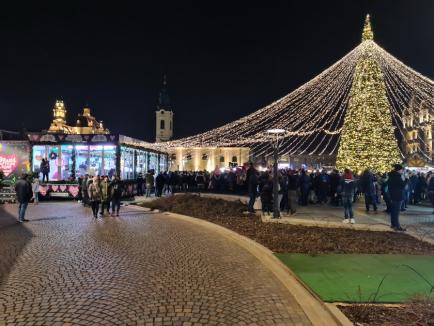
<point x="14" y="158"/>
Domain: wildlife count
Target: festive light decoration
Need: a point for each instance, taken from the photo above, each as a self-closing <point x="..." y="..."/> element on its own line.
<point x="367" y="137"/>
<point x="313" y="114"/>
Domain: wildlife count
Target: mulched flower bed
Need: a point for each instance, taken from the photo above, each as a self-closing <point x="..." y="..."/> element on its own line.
<point x="291" y="238"/>
<point x="418" y="312"/>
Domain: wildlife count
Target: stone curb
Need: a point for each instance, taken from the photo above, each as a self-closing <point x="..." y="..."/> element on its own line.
<point x="318" y="312"/>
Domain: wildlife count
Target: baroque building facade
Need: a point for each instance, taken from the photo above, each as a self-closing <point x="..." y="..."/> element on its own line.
<point x="417" y="143"/>
<point x="85" y="123"/>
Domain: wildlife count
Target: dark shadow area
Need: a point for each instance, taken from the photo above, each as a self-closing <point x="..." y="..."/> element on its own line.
<point x="14" y="237"/>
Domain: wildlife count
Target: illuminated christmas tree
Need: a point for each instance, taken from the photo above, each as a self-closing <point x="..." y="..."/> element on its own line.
<point x="367" y="138"/>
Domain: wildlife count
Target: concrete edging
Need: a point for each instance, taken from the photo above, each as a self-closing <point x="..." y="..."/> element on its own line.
<point x="318" y="312"/>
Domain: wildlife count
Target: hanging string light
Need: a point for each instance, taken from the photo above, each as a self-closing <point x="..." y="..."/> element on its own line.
<point x="313" y="115"/>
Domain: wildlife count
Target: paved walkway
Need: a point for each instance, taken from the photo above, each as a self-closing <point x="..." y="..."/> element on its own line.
<point x="63" y="267"/>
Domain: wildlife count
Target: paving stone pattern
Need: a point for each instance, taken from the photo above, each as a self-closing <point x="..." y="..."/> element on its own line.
<point x="65" y="268"/>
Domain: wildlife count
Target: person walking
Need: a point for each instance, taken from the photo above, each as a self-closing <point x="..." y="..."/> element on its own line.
<point x="105" y="195"/>
<point x="35" y="189"/>
<point x="252" y="184"/>
<point x="94" y="191"/>
<point x="348" y="187"/>
<point x="396" y="191"/>
<point x="116" y="195"/>
<point x="23" y="190"/>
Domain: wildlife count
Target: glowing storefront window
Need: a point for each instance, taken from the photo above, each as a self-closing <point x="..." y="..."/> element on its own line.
<point x="38" y="153"/>
<point x="141" y="162"/>
<point x="109" y="167"/>
<point x="127" y="163"/>
<point x="95" y="160"/>
<point x="66" y="162"/>
<point x="81" y="160"/>
<point x="163" y="162"/>
<point x="153" y="162"/>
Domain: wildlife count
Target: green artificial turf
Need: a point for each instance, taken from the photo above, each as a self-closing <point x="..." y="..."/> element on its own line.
<point x="338" y="277"/>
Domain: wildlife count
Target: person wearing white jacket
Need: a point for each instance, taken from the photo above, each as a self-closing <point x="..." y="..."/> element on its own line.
<point x="35" y="189"/>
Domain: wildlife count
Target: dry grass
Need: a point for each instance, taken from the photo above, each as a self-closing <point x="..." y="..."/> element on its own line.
<point x="291" y="238"/>
<point x="418" y="312"/>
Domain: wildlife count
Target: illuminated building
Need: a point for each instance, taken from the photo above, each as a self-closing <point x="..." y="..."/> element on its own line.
<point x="85" y="124"/>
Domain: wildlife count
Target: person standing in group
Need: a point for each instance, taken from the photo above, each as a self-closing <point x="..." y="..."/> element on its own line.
<point x="368" y="187"/>
<point x="149" y="178"/>
<point x="140" y="184"/>
<point x="159" y="184"/>
<point x="384" y="184"/>
<point x="45" y="169"/>
<point x="305" y="185"/>
<point x="252" y="184"/>
<point x="105" y="195"/>
<point x="430" y="188"/>
<point x="396" y="192"/>
<point x="348" y="187"/>
<point x="116" y="195"/>
<point x="267" y="194"/>
<point x="24" y="193"/>
<point x="35" y="189"/>
<point x="94" y="191"/>
<point x="293" y="186"/>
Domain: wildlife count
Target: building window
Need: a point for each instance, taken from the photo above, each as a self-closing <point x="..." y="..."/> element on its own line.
<point x="162" y="124"/>
<point x="234" y="159"/>
<point x="222" y="159"/>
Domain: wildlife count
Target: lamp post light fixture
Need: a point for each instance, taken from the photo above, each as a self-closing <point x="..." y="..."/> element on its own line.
<point x="276" y="133"/>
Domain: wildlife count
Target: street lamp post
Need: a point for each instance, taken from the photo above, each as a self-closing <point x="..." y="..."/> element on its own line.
<point x="276" y="133"/>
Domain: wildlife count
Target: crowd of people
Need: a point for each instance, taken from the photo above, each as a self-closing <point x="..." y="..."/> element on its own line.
<point x="101" y="194"/>
<point x="397" y="188"/>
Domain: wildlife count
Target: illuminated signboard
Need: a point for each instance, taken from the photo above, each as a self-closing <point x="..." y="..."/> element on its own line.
<point x="14" y="158"/>
<point x="8" y="164"/>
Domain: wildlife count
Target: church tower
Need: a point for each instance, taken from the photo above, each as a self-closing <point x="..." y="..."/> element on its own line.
<point x="164" y="115"/>
<point x="59" y="118"/>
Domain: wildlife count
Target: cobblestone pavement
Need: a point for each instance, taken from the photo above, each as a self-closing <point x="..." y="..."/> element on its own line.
<point x="65" y="268"/>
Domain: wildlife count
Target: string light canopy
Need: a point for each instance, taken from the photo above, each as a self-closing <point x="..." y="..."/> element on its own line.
<point x="313" y="114"/>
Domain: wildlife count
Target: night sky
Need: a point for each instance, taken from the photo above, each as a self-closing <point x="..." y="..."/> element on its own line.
<point x="222" y="62"/>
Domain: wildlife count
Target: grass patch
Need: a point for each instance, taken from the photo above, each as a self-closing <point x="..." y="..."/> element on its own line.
<point x="356" y="278"/>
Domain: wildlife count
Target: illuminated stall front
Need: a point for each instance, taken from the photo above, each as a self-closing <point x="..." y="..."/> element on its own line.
<point x="73" y="156"/>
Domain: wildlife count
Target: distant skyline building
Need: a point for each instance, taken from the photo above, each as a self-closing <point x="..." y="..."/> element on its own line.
<point x="164" y="115"/>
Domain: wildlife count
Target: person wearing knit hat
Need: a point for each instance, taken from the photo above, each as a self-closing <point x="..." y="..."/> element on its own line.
<point x="348" y="189"/>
